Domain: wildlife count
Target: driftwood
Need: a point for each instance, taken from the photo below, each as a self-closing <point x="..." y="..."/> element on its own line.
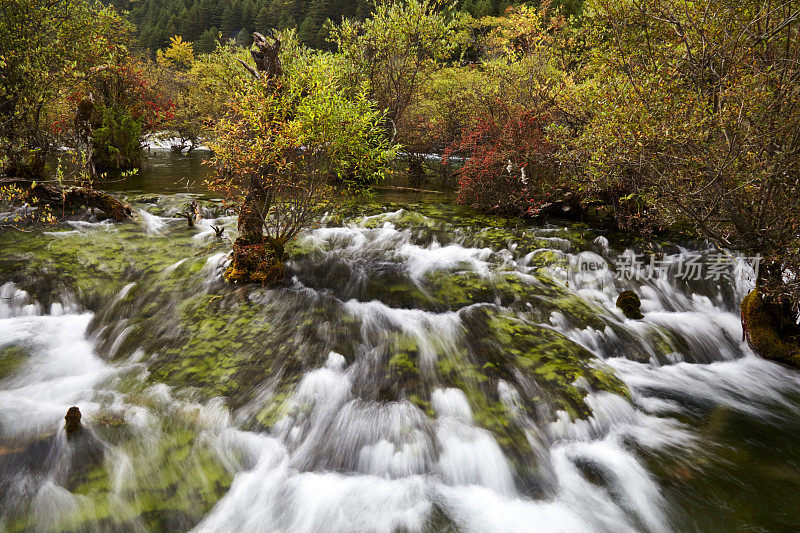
<point x="64" y="200"/>
<point x="193" y="213"/>
<point x="266" y="57"/>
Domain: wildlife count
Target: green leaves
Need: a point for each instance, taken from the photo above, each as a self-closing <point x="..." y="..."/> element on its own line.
<point x="49" y="47"/>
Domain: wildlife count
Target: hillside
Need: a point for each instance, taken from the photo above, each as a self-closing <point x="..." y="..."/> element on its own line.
<point x="202" y="21"/>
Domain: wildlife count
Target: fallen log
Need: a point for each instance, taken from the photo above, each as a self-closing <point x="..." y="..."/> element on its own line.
<point x="65" y="200"/>
<point x="411" y="189"/>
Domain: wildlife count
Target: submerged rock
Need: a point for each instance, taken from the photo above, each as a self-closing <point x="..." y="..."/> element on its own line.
<point x="146" y="199"/>
<point x="630" y="305"/>
<point x="11" y="359"/>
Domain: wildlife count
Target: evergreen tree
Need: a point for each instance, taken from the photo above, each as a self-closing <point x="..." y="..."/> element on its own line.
<point x="158" y="20"/>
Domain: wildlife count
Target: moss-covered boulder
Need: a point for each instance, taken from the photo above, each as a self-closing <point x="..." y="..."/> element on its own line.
<point x="175" y="482"/>
<point x="555" y="365"/>
<point x="630" y="305"/>
<point x="762" y="331"/>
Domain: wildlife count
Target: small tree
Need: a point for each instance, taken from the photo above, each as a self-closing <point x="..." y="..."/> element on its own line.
<point x="181" y="84"/>
<point x="290" y="140"/>
<point x="395" y="51"/>
<point x="179" y="55"/>
<point x="505" y="114"/>
<point x="511" y="166"/>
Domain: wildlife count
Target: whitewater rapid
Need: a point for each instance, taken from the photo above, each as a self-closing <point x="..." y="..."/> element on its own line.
<point x="335" y="462"/>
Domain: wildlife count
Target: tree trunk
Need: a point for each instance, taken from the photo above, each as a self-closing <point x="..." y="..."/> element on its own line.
<point x="252" y="260"/>
<point x="252" y="212"/>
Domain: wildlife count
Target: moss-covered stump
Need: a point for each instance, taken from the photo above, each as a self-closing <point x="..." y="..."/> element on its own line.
<point x="761" y="329"/>
<point x="630" y="305"/>
<point x="254" y="262"/>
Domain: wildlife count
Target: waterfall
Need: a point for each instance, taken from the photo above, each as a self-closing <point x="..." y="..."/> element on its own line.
<point x="424" y="370"/>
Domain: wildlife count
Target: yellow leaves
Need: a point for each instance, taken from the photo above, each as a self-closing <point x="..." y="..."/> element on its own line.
<point x="179" y="55"/>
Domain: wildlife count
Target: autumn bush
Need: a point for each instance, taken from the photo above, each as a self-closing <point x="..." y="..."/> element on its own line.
<point x="288" y="142"/>
<point x="511" y="166"/>
<point x="695" y="114"/>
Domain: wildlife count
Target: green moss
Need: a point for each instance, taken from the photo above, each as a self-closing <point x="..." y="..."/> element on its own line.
<point x="762" y="332"/>
<point x="424" y="405"/>
<point x="275" y="408"/>
<point x="12" y="358"/>
<point x="403" y="363"/>
<point x="454" y="290"/>
<point x="92" y="264"/>
<point x="553" y="361"/>
<point x="172" y="485"/>
<point x="545" y="258"/>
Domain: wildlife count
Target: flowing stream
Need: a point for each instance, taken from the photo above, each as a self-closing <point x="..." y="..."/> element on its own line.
<point x="427" y="368"/>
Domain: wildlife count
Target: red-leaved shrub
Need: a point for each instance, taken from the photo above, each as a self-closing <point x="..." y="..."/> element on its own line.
<point x="509" y="165"/>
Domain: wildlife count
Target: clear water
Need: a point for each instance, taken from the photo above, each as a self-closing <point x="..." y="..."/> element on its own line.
<point x="426" y="368"/>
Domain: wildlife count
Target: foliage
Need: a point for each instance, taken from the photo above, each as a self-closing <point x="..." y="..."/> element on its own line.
<point x="395" y="50"/>
<point x="116" y="141"/>
<point x="46" y="47"/>
<point x="505" y="121"/>
<point x="695" y="111"/>
<point x="510" y="163"/>
<point x="215" y="76"/>
<point x="298" y="139"/>
<point x="185" y="89"/>
<point x="337" y="128"/>
<point x="179" y="55"/>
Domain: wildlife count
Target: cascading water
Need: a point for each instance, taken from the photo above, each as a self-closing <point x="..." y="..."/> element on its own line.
<point x="426" y="369"/>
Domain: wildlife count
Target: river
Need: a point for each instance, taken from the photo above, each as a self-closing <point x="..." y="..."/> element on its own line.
<point x="424" y="368"/>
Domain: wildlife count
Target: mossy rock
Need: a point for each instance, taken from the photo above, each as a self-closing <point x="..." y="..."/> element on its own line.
<point x="92" y="264"/>
<point x="505" y="344"/>
<point x="630" y="305"/>
<point x="547" y="258"/>
<point x="454" y="290"/>
<point x="275" y="408"/>
<point x="762" y="332"/>
<point x="173" y="485"/>
<point x="399" y="374"/>
<point x="217" y="341"/>
<point x="12" y="358"/>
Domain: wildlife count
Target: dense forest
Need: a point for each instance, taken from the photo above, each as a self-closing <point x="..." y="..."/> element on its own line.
<point x="204" y="22"/>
